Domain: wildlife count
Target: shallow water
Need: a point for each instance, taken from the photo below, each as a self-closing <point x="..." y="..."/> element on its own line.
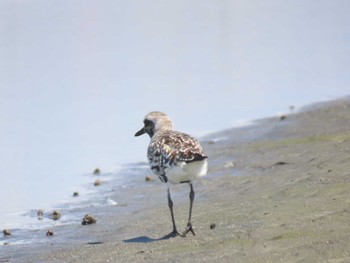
<point x="91" y="200"/>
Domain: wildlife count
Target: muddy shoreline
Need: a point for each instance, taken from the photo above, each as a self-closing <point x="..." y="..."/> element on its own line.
<point x="277" y="191"/>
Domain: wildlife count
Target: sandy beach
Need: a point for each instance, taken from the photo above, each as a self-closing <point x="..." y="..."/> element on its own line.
<point x="277" y="191"/>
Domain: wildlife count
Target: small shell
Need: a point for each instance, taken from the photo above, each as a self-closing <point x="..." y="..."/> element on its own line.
<point x="149" y="178"/>
<point x="7" y="232"/>
<point x="56" y="215"/>
<point x="283" y="117"/>
<point x="97" y="182"/>
<point x="40" y="214"/>
<point x="229" y="164"/>
<point x="88" y="219"/>
<point x="97" y="171"/>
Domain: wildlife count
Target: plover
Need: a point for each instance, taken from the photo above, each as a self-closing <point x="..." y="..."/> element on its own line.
<point x="175" y="157"/>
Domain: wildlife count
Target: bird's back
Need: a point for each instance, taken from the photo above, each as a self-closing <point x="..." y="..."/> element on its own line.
<point x="176" y="156"/>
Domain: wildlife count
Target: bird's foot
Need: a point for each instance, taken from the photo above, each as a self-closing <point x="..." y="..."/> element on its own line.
<point x="172" y="234"/>
<point x="189" y="228"/>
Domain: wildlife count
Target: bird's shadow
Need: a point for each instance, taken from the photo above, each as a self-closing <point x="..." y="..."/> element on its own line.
<point x="145" y="239"/>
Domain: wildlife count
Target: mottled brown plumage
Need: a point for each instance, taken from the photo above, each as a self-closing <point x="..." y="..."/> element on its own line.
<point x="174" y="156"/>
<point x="170" y="148"/>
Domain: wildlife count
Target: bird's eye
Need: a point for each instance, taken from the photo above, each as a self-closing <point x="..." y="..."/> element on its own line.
<point x="147" y="122"/>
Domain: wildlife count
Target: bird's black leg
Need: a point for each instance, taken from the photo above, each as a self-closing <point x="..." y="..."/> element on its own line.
<point x="189" y="224"/>
<point x="174" y="233"/>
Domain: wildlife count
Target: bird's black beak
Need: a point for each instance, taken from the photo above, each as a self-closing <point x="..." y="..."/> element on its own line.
<point x="140" y="132"/>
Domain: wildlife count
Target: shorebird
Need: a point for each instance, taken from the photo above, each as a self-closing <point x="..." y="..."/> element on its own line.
<point x="175" y="157"/>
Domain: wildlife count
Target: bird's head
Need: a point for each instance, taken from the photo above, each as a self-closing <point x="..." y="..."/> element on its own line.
<point x="154" y="122"/>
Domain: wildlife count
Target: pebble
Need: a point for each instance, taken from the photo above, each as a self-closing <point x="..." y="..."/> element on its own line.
<point x="149" y="178"/>
<point x="88" y="219"/>
<point x="97" y="182"/>
<point x="229" y="164"/>
<point x="97" y="171"/>
<point x="56" y="215"/>
<point x="7" y="232"/>
<point x="40" y="214"/>
<point x="110" y="201"/>
<point x="283" y="117"/>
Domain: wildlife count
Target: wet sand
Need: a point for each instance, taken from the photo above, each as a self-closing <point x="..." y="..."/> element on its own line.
<point x="277" y="191"/>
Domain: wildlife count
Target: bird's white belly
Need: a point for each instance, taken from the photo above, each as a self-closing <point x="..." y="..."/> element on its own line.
<point x="183" y="172"/>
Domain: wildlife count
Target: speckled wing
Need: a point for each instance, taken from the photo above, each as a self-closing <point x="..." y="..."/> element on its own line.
<point x="170" y="148"/>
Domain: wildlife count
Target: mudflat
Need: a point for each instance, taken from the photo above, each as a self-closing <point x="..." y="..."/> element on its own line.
<point x="277" y="191"/>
